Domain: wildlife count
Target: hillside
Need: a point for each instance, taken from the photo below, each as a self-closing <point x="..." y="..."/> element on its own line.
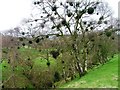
<point x="100" y="77"/>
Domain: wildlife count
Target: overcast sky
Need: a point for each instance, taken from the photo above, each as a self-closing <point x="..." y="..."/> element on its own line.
<point x="12" y="12"/>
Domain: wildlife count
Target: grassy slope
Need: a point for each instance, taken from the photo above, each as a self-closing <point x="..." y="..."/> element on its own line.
<point x="20" y="79"/>
<point x="104" y="76"/>
<point x="101" y="77"/>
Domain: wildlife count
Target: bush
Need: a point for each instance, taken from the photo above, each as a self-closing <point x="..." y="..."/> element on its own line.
<point x="56" y="77"/>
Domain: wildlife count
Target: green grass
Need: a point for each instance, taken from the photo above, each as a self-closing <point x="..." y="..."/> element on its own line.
<point x="39" y="63"/>
<point x="103" y="76"/>
<point x="20" y="80"/>
<point x="42" y="62"/>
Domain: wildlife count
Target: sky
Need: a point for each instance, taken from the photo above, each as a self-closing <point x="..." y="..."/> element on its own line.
<point x="12" y="12"/>
<point x="114" y="5"/>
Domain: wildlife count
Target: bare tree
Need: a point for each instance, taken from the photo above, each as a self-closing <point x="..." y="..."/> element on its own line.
<point x="72" y="18"/>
